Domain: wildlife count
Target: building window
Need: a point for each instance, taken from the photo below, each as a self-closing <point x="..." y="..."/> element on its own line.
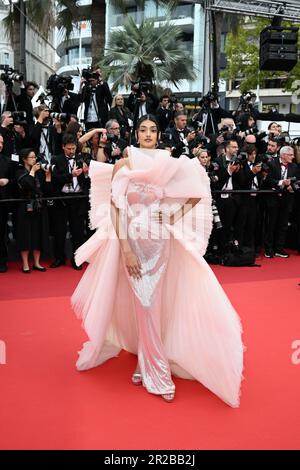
<point x="6" y="58"/>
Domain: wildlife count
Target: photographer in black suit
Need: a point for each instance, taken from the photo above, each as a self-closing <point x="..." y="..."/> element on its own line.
<point x="97" y="98"/>
<point x="70" y="178"/>
<point x="279" y="205"/>
<point x="141" y="102"/>
<point x="230" y="177"/>
<point x="6" y="180"/>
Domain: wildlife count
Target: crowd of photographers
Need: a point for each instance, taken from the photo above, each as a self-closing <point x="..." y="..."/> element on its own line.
<point x="45" y="154"/>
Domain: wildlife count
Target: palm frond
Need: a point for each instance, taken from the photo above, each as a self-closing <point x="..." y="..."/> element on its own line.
<point x="148" y="50"/>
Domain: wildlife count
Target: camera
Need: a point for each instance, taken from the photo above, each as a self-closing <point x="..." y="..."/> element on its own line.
<point x="45" y="165"/>
<point x="60" y="116"/>
<point x="83" y="158"/>
<point x="266" y="159"/>
<point x="240" y="159"/>
<point x="57" y="84"/>
<point x="144" y="86"/>
<point x="282" y="139"/>
<point x="88" y="74"/>
<point x="245" y="102"/>
<point x="252" y="131"/>
<point x="211" y="171"/>
<point x="112" y="138"/>
<point x="295" y="184"/>
<point x="208" y="99"/>
<point x="10" y="75"/>
<point x="216" y="217"/>
<point x="19" y="117"/>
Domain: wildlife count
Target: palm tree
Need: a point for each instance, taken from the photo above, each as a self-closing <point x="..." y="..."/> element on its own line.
<point x="70" y="15"/>
<point x="148" y="51"/>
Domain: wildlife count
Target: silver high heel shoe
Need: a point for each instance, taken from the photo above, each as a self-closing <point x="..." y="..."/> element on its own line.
<point x="136" y="378"/>
<point x="169" y="396"/>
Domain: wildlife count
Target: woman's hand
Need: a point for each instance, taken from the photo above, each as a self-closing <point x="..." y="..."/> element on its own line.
<point x="103" y="137"/>
<point x="133" y="265"/>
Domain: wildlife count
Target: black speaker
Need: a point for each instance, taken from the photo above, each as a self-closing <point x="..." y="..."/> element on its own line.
<point x="278" y="48"/>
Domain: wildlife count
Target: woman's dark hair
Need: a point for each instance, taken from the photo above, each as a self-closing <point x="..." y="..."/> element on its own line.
<point x="271" y="124"/>
<point x="243" y="121"/>
<point x="25" y="152"/>
<point x="147" y="117"/>
<point x="73" y="127"/>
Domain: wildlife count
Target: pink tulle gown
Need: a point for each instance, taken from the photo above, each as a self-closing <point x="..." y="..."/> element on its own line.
<point x="177" y="318"/>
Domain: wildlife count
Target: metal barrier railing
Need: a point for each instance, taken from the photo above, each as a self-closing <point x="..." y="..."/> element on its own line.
<point x="85" y="196"/>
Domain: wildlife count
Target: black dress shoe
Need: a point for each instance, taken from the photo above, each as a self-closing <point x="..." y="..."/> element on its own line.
<point x="57" y="263"/>
<point x="26" y="271"/>
<point x="42" y="270"/>
<point x="74" y="265"/>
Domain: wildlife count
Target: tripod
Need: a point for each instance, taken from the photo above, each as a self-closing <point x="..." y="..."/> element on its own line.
<point x="208" y="119"/>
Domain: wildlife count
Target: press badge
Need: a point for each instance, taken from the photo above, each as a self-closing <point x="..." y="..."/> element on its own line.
<point x="15" y="158"/>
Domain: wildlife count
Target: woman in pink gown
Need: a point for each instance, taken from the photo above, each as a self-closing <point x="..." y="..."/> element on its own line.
<point x="147" y="288"/>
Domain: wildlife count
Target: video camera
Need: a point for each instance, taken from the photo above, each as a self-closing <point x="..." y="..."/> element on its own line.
<point x="10" y="75"/>
<point x="57" y="84"/>
<point x="88" y="74"/>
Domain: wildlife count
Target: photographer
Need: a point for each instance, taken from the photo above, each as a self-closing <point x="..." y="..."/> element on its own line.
<point x="181" y="136"/>
<point x="13" y="131"/>
<point x="164" y="113"/>
<point x="141" y="101"/>
<point x="230" y="177"/>
<point x="70" y="178"/>
<point x="6" y="181"/>
<point x="279" y="205"/>
<point x="211" y="168"/>
<point x="97" y="98"/>
<point x="115" y="145"/>
<point x="27" y="92"/>
<point x="46" y="134"/>
<point x="253" y="173"/>
<point x="210" y="113"/>
<point x="32" y="223"/>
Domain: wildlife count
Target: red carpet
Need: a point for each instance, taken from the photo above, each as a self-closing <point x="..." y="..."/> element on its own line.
<point x="47" y="404"/>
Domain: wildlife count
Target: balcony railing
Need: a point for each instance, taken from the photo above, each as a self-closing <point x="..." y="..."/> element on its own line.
<point x="179" y="13"/>
<point x="66" y="61"/>
<point x="85" y="33"/>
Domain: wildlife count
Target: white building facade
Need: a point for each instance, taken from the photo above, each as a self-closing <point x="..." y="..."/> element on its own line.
<point x="40" y="51"/>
